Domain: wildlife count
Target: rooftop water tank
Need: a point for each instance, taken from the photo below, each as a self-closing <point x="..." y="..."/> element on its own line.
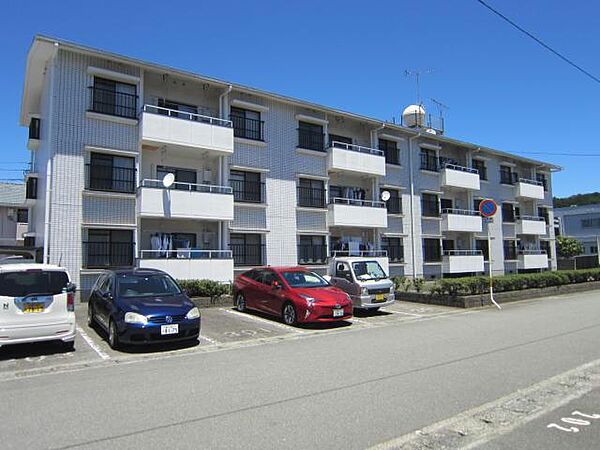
<point x="413" y="116"/>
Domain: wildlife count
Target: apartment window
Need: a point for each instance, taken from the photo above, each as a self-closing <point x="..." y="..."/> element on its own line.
<point x="594" y="249"/>
<point x="481" y="168"/>
<point x="22" y="215"/>
<point x="429" y="205"/>
<point x="247" y="249"/>
<point x="394" y="247"/>
<point x="429" y="160"/>
<point x="34" y="128"/>
<point x="510" y="250"/>
<point x="31" y="188"/>
<point x="508" y="212"/>
<point x="246" y="124"/>
<point x="114" y="98"/>
<point x="337" y="138"/>
<point x="506" y="175"/>
<point x="311" y="193"/>
<point x="541" y="177"/>
<point x="447" y="245"/>
<point x="390" y="150"/>
<point x="476" y="203"/>
<point x="186" y="110"/>
<point x="446" y="203"/>
<point x="185" y="179"/>
<point x="590" y="223"/>
<point x="310" y="136"/>
<point x="482" y="245"/>
<point x="29" y="241"/>
<point x="246" y="186"/>
<point x="111" y="173"/>
<point x="432" y="251"/>
<point x="394" y="204"/>
<point x="312" y="250"/>
<point x="543" y="212"/>
<point x="108" y="248"/>
<point x="545" y="246"/>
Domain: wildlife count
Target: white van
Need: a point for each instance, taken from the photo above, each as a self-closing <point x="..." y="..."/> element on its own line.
<point x="37" y="303"/>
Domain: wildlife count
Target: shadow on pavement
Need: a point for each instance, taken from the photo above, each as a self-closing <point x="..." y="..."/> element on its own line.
<point x="34" y="349"/>
<point x="310" y="326"/>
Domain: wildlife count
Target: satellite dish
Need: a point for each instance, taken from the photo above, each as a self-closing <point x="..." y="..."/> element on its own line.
<point x="168" y="180"/>
<point x="385" y="195"/>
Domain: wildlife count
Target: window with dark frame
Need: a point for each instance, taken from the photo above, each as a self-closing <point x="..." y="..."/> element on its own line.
<point x="185" y="179"/>
<point x="544" y="212"/>
<point x="337" y="138"/>
<point x="545" y="246"/>
<point x="482" y="245"/>
<point x="394" y="247"/>
<point x="310" y="136"/>
<point x="507" y="176"/>
<point x="432" y="250"/>
<point x="111" y="173"/>
<point x="394" y="204"/>
<point x="185" y="109"/>
<point x="479" y="164"/>
<point x="430" y="205"/>
<point x="108" y="248"/>
<point x="312" y="249"/>
<point x="114" y="98"/>
<point x="31" y="188"/>
<point x="247" y="186"/>
<point x="429" y="160"/>
<point x="247" y="123"/>
<point x="311" y="193"/>
<point x="508" y="212"/>
<point x="247" y="249"/>
<point x="22" y="215"/>
<point x="541" y="177"/>
<point x="476" y="203"/>
<point x="510" y="249"/>
<point x="390" y="150"/>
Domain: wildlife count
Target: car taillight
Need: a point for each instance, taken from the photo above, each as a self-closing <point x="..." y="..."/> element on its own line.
<point x="71" y="301"/>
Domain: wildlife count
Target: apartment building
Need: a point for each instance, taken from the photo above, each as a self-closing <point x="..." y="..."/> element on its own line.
<point x="136" y="164"/>
<point x="583" y="223"/>
<point x="13" y="216"/>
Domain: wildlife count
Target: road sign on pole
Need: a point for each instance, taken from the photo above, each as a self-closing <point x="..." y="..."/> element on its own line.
<point x="488" y="208"/>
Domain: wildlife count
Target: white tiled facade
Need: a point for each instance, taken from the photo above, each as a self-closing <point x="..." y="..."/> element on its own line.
<point x="76" y="212"/>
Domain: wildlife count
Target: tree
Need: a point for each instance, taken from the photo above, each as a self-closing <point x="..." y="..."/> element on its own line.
<point x="568" y="247"/>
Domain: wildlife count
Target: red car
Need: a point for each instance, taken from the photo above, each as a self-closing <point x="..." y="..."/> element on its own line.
<point x="295" y="294"/>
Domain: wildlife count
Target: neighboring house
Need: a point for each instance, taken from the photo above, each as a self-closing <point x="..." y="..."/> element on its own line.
<point x="13" y="215"/>
<point x="581" y="222"/>
<point x="257" y="178"/>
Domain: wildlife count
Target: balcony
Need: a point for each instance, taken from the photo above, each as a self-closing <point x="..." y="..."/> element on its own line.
<point x="532" y="259"/>
<point x="455" y="176"/>
<point x="531" y="225"/>
<point x="530" y="189"/>
<point x="190" y="264"/>
<point x="462" y="261"/>
<point x="344" y="157"/>
<point x="185" y="201"/>
<point x="186" y="130"/>
<point x="461" y="220"/>
<point x="33" y="141"/>
<point x="345" y="212"/>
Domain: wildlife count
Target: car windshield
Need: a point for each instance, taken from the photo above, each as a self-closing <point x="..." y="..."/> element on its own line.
<point x="368" y="270"/>
<point x="146" y="285"/>
<point x="27" y="282"/>
<point x="299" y="279"/>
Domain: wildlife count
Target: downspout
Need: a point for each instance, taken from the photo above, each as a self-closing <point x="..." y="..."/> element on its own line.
<point x="412" y="204"/>
<point x="221" y="103"/>
<point x="222" y="235"/>
<point x="375" y="186"/>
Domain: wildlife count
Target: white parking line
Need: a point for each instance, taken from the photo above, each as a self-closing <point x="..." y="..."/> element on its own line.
<point x="91" y="343"/>
<point x="212" y="341"/>
<point x="260" y="319"/>
<point x="400" y="312"/>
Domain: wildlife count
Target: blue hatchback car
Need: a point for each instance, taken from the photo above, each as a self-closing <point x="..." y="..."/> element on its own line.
<point x="142" y="306"/>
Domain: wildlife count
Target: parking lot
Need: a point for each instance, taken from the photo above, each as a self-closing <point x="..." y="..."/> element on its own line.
<point x="222" y="327"/>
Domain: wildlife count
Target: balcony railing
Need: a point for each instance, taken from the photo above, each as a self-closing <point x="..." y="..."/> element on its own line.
<point x="532" y="252"/>
<point x="107" y="254"/>
<point x="107" y="101"/>
<point x="110" y="178"/>
<point x="311" y="140"/>
<point x="355" y="202"/>
<point x="425" y="121"/>
<point x="311" y="197"/>
<point x="459" y="168"/>
<point x="187" y="116"/>
<point x="534" y="218"/>
<point x="435" y="164"/>
<point x="244" y="127"/>
<point x="460" y="212"/>
<point x="247" y="254"/>
<point x="312" y="254"/>
<point x="187" y="253"/>
<point x="528" y="181"/>
<point x="248" y="191"/>
<point x="463" y="252"/>
<point x="508" y="177"/>
<point x="209" y="188"/>
<point x="357" y="148"/>
<point x="34" y="128"/>
<point x="361" y="253"/>
<point x="395" y="254"/>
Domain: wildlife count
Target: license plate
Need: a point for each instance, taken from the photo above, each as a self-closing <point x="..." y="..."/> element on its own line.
<point x="33" y="308"/>
<point x="379" y="298"/>
<point x="169" y="329"/>
<point x="338" y="313"/>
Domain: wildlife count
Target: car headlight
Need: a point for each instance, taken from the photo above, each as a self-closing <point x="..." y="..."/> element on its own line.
<point x="132" y="317"/>
<point x="364" y="291"/>
<point x="309" y="300"/>
<point x="392" y="290"/>
<point x="193" y="313"/>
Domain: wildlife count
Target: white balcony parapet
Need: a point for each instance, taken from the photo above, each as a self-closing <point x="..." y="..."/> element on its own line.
<point x="355" y="158"/>
<point x="190" y="264"/>
<point x="461" y="220"/>
<point x="462" y="261"/>
<point x="360" y="253"/>
<point x="185" y="200"/>
<point x="529" y="189"/>
<point x="346" y="212"/>
<point x="184" y="129"/>
<point x="455" y="176"/>
<point x="532" y="259"/>
<point x="534" y="225"/>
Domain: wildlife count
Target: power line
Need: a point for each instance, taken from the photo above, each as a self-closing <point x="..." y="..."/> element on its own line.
<point x="560" y="154"/>
<point x="539" y="41"/>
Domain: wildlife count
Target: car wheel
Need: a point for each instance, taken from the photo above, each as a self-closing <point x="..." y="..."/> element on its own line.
<point x="113" y="337"/>
<point x="374" y="310"/>
<point x="90" y="315"/>
<point x="289" y="314"/>
<point x="240" y="302"/>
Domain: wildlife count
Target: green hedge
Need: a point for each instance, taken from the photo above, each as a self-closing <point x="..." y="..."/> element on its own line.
<point x="516" y="282"/>
<point x="205" y="288"/>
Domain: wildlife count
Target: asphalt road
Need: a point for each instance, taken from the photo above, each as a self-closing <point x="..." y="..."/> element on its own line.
<point x="353" y="388"/>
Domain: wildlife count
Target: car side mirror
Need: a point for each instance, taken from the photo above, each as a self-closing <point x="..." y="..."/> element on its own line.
<point x="107" y="296"/>
<point x="276" y="285"/>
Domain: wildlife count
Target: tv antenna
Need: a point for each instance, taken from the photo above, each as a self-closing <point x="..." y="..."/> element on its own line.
<point x="417" y="75"/>
<point x="440" y="106"/>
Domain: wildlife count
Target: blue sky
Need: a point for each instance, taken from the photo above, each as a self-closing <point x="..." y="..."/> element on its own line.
<point x="503" y="90"/>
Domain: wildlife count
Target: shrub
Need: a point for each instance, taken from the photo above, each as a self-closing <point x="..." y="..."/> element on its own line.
<point x="205" y="288"/>
<point x="401" y="283"/>
<point x="418" y="284"/>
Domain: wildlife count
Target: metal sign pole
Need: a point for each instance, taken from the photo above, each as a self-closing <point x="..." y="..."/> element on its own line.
<point x="489" y="220"/>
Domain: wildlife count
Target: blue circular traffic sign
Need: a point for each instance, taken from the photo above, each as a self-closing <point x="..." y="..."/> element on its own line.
<point x="488" y="207"/>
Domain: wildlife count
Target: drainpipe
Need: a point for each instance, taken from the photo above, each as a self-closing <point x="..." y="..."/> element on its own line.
<point x="412" y="204"/>
<point x="375" y="186"/>
<point x="221" y="101"/>
<point x="222" y="230"/>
